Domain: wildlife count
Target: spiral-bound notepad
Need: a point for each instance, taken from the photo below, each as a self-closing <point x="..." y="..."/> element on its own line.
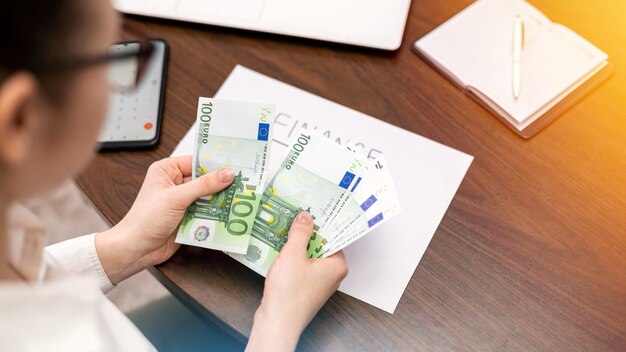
<point x="474" y="49"/>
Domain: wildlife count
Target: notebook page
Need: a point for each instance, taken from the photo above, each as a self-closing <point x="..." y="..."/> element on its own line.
<point x="477" y="37"/>
<point x="552" y="63"/>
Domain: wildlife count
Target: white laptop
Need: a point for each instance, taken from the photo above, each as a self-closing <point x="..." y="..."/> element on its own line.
<point x="371" y="23"/>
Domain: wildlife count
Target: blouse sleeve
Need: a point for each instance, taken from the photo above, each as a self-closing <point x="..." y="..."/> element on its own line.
<point x="79" y="256"/>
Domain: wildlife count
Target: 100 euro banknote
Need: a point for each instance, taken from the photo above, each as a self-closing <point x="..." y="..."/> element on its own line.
<point x="236" y="135"/>
<point x="317" y="176"/>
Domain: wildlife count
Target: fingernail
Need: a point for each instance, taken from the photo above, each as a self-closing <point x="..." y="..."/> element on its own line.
<point x="226" y="175"/>
<point x="304" y="218"/>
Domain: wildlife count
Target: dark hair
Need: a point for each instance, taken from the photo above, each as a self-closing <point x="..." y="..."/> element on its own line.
<point x="35" y="33"/>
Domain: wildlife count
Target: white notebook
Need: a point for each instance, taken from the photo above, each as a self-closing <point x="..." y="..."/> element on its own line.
<point x="474" y="49"/>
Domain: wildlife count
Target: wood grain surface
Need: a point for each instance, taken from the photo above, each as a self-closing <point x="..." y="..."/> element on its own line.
<point x="531" y="254"/>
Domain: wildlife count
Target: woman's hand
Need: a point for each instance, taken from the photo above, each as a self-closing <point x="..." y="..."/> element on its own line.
<point x="295" y="289"/>
<point x="146" y="235"/>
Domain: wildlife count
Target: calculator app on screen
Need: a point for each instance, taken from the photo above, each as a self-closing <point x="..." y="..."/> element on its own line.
<point x="134" y="117"/>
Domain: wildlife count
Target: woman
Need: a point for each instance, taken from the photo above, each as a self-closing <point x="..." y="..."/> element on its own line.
<point x="53" y="101"/>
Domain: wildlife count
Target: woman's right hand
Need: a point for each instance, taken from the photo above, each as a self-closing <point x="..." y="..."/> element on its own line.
<point x="295" y="289"/>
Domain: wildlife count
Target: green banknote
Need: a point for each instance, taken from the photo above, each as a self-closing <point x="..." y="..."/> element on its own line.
<point x="317" y="176"/>
<point x="236" y="135"/>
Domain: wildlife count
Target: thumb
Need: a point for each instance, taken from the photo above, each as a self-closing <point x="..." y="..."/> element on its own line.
<point x="299" y="233"/>
<point x="205" y="185"/>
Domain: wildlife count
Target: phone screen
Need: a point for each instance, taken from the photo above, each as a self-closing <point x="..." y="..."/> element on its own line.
<point x="134" y="117"/>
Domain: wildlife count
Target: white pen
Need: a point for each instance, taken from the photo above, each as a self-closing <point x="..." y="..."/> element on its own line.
<point x="518" y="45"/>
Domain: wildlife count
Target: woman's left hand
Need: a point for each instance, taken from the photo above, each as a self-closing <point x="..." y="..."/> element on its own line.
<point x="146" y="235"/>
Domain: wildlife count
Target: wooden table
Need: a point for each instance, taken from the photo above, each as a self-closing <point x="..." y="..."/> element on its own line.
<point x="531" y="253"/>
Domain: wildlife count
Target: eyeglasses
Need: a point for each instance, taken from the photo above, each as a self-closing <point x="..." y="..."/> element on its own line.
<point x="128" y="62"/>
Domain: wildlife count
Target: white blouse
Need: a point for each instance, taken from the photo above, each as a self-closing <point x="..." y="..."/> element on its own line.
<point x="63" y="307"/>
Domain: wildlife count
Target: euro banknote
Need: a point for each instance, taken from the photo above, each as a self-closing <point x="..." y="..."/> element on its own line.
<point x="235" y="135"/>
<point x="317" y="176"/>
<point x="375" y="202"/>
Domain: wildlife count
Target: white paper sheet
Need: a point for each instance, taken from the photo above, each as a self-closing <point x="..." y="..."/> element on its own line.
<point x="427" y="175"/>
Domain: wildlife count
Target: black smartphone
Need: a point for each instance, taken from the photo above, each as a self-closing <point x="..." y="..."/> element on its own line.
<point x="134" y="118"/>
